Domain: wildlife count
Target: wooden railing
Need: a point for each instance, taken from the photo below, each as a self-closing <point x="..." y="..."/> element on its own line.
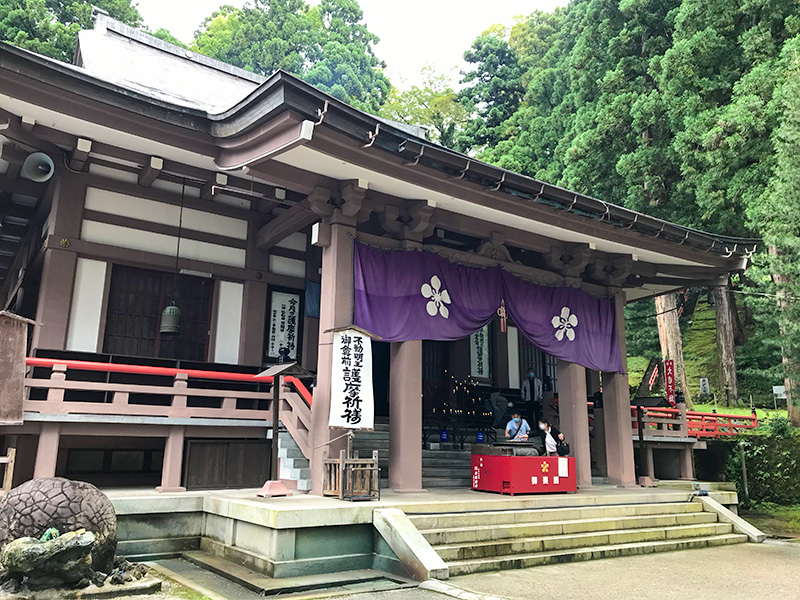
<point x="715" y="426"/>
<point x="176" y="399"/>
<point x="678" y="422"/>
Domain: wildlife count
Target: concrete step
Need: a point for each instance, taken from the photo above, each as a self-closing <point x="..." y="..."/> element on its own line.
<point x="538" y="515"/>
<point x="520" y="561"/>
<point x="483" y="533"/>
<point x="269" y="587"/>
<point x="499" y="548"/>
<point x="433" y="482"/>
<point x="291" y="453"/>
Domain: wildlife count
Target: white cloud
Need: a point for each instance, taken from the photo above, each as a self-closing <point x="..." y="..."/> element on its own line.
<point x="413" y="32"/>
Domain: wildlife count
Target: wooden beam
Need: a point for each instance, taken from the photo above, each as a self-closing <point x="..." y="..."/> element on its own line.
<point x="80" y="155"/>
<point x="284" y="225"/>
<point x="207" y="192"/>
<point x="14" y="157"/>
<point x="151" y="171"/>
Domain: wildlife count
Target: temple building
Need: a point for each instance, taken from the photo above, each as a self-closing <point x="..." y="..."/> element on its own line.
<point x="172" y="225"/>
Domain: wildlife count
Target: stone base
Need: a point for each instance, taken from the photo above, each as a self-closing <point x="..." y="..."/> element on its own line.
<point x="146" y="585"/>
<point x="645" y="481"/>
<point x="271" y="489"/>
<point x="170" y="490"/>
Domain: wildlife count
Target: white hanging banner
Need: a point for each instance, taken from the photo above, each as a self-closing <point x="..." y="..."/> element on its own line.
<point x="352" y="397"/>
<point x="479" y="353"/>
<point x="284" y="324"/>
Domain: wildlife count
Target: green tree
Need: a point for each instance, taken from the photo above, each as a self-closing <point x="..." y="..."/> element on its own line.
<point x="493" y="92"/>
<point x="166" y="35"/>
<point x="778" y="214"/>
<point x="50" y="27"/>
<point x="433" y="104"/>
<point x="343" y="60"/>
<point x="327" y="45"/>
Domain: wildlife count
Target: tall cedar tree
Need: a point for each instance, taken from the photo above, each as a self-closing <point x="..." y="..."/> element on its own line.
<point x="327" y="45"/>
<point x="50" y="27"/>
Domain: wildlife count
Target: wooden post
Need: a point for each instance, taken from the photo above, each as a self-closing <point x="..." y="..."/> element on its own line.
<point x="746" y="487"/>
<point x="9" y="459"/>
<point x="13" y="339"/>
<point x="277" y="382"/>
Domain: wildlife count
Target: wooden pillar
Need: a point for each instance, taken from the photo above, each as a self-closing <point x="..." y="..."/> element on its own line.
<point x="172" y="469"/>
<point x="598" y="441"/>
<point x="335" y="311"/>
<point x="254" y="313"/>
<point x="574" y="418"/>
<point x="405" y="417"/>
<point x="13" y="339"/>
<point x="617" y="413"/>
<point x="47" y="451"/>
<point x="592" y="382"/>
<point x="52" y="313"/>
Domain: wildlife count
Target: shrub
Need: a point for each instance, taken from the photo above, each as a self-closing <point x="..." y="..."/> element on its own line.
<point x="773" y="465"/>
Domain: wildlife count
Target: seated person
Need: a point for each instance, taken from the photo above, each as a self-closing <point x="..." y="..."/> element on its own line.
<point x="517" y="428"/>
<point x="549" y="435"/>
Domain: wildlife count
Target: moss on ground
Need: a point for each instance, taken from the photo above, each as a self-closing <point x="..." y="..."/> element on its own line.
<point x="775" y="520"/>
<point x="637" y="365"/>
<point x="700" y="350"/>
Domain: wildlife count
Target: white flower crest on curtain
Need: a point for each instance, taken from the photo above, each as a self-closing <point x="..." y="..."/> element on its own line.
<point x="564" y="324"/>
<point x="438" y="298"/>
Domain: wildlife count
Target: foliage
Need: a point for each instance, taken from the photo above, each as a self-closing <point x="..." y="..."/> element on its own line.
<point x="50" y="27"/>
<point x="433" y="104"/>
<point x="327" y="45"/>
<point x="773" y="467"/>
<point x="641" y="334"/>
<point x="166" y="35"/>
<point x="493" y="92"/>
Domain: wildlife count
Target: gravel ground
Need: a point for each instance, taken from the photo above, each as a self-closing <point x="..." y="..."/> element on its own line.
<point x="742" y="571"/>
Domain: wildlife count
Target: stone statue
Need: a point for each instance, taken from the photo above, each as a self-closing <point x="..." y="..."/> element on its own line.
<point x="50" y="563"/>
<point x="29" y="510"/>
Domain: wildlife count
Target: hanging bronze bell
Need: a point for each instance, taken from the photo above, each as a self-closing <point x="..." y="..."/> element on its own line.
<point x="171" y="320"/>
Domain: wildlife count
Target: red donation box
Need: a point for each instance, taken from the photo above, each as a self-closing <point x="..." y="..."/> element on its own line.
<point x="523" y="474"/>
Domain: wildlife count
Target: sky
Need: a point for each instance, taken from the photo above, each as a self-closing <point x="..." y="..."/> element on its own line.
<point x="414" y="33"/>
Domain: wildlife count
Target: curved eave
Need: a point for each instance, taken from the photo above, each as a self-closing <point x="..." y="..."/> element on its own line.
<point x="67" y="89"/>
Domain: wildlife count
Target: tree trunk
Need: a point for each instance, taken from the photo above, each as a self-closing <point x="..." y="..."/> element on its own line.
<point x="669" y="334"/>
<point x="726" y="350"/>
<point x="789" y="362"/>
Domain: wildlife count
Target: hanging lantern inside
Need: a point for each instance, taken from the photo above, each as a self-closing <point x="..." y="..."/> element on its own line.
<point x="171" y="320"/>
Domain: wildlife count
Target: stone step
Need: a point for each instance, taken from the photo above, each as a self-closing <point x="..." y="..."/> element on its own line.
<point x="580" y="554"/>
<point x="291" y="453"/>
<point x="499" y="548"/>
<point x="267" y="586"/>
<point x="538" y="515"/>
<point x="485" y="533"/>
<point x="433" y="482"/>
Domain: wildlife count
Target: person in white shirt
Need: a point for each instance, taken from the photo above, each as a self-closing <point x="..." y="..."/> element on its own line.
<point x="549" y="435"/>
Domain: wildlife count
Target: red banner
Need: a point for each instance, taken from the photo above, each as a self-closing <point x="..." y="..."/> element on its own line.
<point x="669" y="379"/>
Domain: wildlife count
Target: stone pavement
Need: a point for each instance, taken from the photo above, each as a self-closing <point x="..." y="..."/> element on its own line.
<point x="725" y="573"/>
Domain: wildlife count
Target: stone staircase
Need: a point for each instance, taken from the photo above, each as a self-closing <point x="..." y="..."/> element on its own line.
<point x="448" y="467"/>
<point x="473" y="542"/>
<point x="294" y="465"/>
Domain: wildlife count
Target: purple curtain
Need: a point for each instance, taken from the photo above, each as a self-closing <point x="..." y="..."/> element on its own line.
<point x="415" y="295"/>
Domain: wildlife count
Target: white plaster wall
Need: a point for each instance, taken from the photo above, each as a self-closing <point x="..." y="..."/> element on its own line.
<point x="87" y="305"/>
<point x="230" y="301"/>
<point x="280" y="265"/>
<point x="148" y="241"/>
<point x="296" y="241"/>
<point x="161" y="212"/>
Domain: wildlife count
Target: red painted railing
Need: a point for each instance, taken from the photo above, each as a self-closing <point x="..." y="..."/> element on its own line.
<point x="702" y="424"/>
<point x="715" y="426"/>
<point x="83" y="365"/>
